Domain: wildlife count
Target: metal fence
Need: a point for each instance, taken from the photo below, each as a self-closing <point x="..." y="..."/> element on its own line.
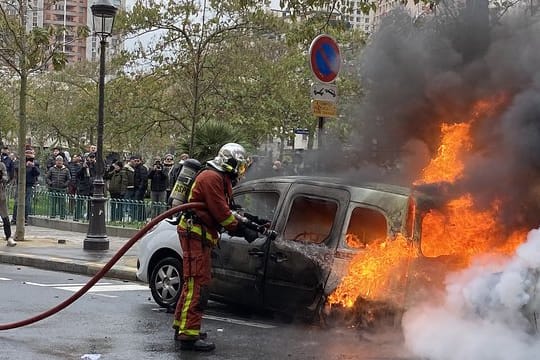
<point x="63" y="206"/>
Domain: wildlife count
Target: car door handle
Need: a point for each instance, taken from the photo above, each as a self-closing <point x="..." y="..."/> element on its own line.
<point x="278" y="257"/>
<point x="256" y="252"/>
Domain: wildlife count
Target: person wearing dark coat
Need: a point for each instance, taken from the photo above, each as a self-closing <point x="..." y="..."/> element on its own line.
<point x="140" y="183"/>
<point x="158" y="188"/>
<point x="85" y="186"/>
<point x="58" y="178"/>
<point x="32" y="175"/>
<point x="118" y="181"/>
<point x="10" y="166"/>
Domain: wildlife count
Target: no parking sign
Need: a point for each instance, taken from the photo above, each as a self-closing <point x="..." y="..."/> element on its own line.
<point x="325" y="58"/>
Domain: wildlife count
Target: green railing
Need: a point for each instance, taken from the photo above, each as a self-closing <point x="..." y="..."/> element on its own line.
<point x="118" y="212"/>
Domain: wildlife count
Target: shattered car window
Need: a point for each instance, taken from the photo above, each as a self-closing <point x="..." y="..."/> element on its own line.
<point x="365" y="227"/>
<point x="261" y="204"/>
<point x="310" y="220"/>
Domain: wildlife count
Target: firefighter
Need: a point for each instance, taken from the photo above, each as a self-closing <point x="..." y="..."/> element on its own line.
<point x="199" y="232"/>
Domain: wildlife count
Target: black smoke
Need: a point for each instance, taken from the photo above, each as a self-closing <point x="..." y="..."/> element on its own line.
<point x="416" y="75"/>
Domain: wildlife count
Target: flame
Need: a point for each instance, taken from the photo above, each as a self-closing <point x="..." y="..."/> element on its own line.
<point x="461" y="231"/>
<point x="373" y="272"/>
<point x="446" y="166"/>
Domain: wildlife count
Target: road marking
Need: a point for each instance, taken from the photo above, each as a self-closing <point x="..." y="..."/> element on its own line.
<point x="97" y="288"/>
<point x="69" y="284"/>
<point x="238" y="322"/>
<point x="4" y="279"/>
<point x="106" y="288"/>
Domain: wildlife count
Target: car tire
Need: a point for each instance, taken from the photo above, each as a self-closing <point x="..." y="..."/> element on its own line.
<point x="166" y="282"/>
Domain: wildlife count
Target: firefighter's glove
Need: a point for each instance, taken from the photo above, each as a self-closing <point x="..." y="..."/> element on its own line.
<point x="250" y="235"/>
<point x="243" y="231"/>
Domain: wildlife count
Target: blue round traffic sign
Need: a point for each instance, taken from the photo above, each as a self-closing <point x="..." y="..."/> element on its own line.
<point x="325" y="59"/>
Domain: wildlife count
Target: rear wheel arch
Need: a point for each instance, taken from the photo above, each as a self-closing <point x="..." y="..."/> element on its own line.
<point x="160" y="255"/>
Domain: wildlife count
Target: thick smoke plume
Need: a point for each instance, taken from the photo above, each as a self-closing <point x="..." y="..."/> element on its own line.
<point x="419" y="75"/>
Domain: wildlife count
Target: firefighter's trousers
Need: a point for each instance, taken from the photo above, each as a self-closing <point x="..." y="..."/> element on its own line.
<point x="197" y="276"/>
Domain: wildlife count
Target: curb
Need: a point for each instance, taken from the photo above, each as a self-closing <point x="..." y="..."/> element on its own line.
<point x="68" y="265"/>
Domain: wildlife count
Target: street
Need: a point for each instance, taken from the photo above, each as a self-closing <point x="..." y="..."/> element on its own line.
<point x="118" y="320"/>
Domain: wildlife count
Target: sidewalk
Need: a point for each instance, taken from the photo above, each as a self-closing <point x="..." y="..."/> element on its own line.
<point x="60" y="250"/>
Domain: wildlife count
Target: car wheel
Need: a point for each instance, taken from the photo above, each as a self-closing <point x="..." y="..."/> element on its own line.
<point x="166" y="282"/>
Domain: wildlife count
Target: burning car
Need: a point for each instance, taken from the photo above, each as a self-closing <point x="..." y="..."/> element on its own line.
<point x="322" y="224"/>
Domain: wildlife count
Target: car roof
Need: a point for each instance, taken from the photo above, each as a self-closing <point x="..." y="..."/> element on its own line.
<point x="322" y="180"/>
<point x="422" y="200"/>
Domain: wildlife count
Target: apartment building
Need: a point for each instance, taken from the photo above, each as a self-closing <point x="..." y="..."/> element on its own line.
<point x="71" y="14"/>
<point x="351" y="11"/>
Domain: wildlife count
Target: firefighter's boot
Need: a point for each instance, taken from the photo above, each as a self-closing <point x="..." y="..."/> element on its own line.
<point x="197" y="345"/>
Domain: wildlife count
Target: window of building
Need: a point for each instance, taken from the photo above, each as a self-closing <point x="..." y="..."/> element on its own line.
<point x="310" y="220"/>
<point x="366" y="226"/>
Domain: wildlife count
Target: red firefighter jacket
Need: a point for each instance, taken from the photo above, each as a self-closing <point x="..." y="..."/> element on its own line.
<point x="214" y="189"/>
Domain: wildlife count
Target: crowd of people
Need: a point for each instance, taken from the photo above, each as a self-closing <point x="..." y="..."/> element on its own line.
<point x="64" y="174"/>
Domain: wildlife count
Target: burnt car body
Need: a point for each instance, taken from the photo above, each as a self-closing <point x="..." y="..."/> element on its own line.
<point x="299" y="267"/>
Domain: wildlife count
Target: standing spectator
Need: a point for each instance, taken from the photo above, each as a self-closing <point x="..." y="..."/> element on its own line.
<point x="52" y="158"/>
<point x="158" y="186"/>
<point x="4" y="178"/>
<point x="85" y="186"/>
<point x="32" y="175"/>
<point x="74" y="166"/>
<point x="58" y="179"/>
<point x="118" y="181"/>
<point x="6" y="159"/>
<point x="141" y="185"/>
<point x="168" y="165"/>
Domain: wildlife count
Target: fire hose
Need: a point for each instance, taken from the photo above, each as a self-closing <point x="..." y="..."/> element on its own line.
<point x="106" y="268"/>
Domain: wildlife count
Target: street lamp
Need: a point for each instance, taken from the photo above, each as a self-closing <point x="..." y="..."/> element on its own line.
<point x="103" y="13"/>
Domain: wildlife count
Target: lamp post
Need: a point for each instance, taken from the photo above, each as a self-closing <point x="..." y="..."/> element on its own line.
<point x="103" y="13"/>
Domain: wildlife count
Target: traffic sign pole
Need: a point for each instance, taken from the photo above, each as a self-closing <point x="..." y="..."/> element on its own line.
<point x="320" y="144"/>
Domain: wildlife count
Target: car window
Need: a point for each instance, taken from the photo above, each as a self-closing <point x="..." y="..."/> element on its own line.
<point x="310" y="220"/>
<point x="365" y="227"/>
<point x="261" y="204"/>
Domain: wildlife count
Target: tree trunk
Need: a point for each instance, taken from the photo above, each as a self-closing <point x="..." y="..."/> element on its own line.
<point x="21" y="175"/>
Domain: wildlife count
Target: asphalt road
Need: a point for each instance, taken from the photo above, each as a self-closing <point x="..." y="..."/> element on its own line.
<point x="118" y="320"/>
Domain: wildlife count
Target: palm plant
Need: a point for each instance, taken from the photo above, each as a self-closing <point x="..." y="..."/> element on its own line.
<point x="209" y="138"/>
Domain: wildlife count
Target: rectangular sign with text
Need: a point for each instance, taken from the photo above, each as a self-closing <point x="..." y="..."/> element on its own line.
<point x="323" y="108"/>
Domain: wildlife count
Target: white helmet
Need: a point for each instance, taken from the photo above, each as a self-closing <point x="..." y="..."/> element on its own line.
<point x="231" y="158"/>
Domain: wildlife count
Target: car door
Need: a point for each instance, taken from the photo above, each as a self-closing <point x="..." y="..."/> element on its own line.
<point x="300" y="259"/>
<point x="238" y="266"/>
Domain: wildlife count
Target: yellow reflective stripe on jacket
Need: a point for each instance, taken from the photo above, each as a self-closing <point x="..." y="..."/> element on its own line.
<point x="227" y="221"/>
<point x="197" y="229"/>
<point x="190" y="195"/>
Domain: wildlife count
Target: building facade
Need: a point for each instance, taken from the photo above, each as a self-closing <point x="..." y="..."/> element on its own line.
<point x="71" y="15"/>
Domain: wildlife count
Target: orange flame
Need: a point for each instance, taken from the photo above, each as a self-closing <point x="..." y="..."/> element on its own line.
<point x="373" y="273"/>
<point x="461" y="231"/>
